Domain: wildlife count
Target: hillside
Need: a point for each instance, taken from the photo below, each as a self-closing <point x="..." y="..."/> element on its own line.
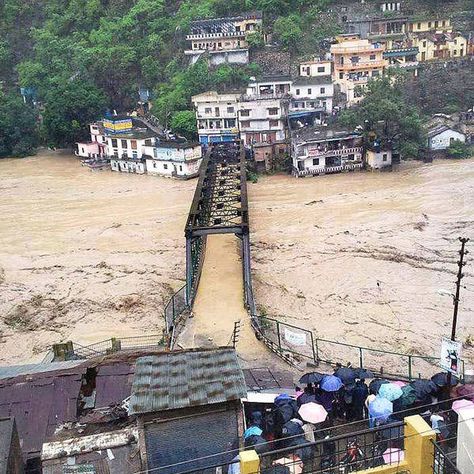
<point x="78" y="57"/>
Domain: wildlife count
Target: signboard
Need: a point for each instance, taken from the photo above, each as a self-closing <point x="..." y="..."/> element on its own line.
<point x="295" y="338"/>
<point x="450" y="359"/>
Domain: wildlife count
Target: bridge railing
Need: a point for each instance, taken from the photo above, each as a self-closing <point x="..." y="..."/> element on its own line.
<point x="174" y="311"/>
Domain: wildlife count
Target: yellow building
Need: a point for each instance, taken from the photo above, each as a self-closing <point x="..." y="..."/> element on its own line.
<point x="355" y="62"/>
<point x="421" y="26"/>
<point x="440" y="46"/>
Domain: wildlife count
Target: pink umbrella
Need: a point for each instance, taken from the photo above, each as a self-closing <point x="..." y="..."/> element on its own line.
<point x="462" y="404"/>
<point x="399" y="383"/>
<point x="393" y="455"/>
<point x="312" y="412"/>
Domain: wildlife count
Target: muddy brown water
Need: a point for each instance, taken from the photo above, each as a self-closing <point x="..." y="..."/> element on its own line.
<point x="357" y="257"/>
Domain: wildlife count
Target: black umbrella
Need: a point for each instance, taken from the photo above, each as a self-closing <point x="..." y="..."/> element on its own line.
<point x="423" y="388"/>
<point x="311" y="377"/>
<point x="441" y="379"/>
<point x="375" y="385"/>
<point x="364" y="374"/>
<point x="346" y="374"/>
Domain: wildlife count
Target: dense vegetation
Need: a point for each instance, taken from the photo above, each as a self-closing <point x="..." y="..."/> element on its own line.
<point x="80" y="57"/>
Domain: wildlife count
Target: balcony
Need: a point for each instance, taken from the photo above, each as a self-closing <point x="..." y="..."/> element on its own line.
<point x="274" y="96"/>
<point x="315" y="153"/>
<point x="327" y="170"/>
<point x="400" y="52"/>
<point x="233" y="34"/>
<point x="362" y="65"/>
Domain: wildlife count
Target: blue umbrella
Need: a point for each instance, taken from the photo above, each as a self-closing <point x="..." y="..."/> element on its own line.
<point x="331" y="383"/>
<point x="390" y="391"/>
<point x="380" y="408"/>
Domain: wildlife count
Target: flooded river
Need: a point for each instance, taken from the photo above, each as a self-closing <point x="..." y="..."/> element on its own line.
<point x="355" y="257"/>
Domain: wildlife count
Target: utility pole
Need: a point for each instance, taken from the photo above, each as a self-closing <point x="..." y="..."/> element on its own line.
<point x="460" y="276"/>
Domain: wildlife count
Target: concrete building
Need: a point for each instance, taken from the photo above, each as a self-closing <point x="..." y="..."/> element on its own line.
<point x="376" y="159"/>
<point x="442" y="137"/>
<point x="310" y="93"/>
<point x="315" y="68"/>
<point x="173" y="159"/>
<point x="321" y="150"/>
<point x="378" y="28"/>
<point x="97" y="146"/>
<point x="224" y="40"/>
<point x="355" y="62"/>
<point x="421" y="26"/>
<point x="391" y="6"/>
<point x="276" y="86"/>
<point x="440" y="45"/>
<point x="216" y="116"/>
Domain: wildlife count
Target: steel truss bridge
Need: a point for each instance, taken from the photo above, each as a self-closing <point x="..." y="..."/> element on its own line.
<point x="219" y="206"/>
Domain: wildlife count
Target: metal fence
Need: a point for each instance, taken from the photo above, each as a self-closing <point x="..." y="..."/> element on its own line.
<point x="289" y="339"/>
<point x="112" y="345"/>
<point x="443" y="462"/>
<point x="174" y="311"/>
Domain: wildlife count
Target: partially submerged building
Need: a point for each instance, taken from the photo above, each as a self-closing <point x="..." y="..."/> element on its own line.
<point x="322" y="150"/>
<point x="223" y="40"/>
<point x="441" y="137"/>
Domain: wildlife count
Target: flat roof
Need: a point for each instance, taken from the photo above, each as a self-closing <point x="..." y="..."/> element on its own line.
<point x="312" y="80"/>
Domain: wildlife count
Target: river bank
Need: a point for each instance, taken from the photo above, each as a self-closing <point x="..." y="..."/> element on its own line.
<point x="356" y="257"/>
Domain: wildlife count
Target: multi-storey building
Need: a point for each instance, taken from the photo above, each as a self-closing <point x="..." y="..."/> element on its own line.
<point x="173" y="158"/>
<point x="378" y="28"/>
<point x="309" y="93"/>
<point x="96" y="148"/>
<point x="216" y="116"/>
<point x="275" y="86"/>
<point x="315" y="68"/>
<point x="325" y="150"/>
<point x="223" y="39"/>
<point x="440" y="45"/>
<point x="355" y="62"/>
<point x="423" y="26"/>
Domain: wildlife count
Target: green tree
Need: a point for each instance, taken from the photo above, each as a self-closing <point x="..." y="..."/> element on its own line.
<point x="70" y="107"/>
<point x="288" y="30"/>
<point x="184" y="123"/>
<point x="18" y="130"/>
<point x="459" y="149"/>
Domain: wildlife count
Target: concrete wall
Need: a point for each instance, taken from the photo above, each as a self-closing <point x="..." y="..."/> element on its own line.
<point x="443" y="140"/>
<point x="465" y="446"/>
<point x="378" y="160"/>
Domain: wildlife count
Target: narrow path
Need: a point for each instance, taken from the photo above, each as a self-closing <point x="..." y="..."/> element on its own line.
<point x="219" y="303"/>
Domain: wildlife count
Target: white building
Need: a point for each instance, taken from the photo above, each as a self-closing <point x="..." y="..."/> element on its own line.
<point x="378" y="159"/>
<point x="216" y="116"/>
<point x="315" y="68"/>
<point x="312" y="92"/>
<point x="322" y="150"/>
<point x="275" y="86"/>
<point x="97" y="146"/>
<point x="126" y="150"/>
<point x="442" y="137"/>
<point x="173" y="159"/>
<point x="262" y="119"/>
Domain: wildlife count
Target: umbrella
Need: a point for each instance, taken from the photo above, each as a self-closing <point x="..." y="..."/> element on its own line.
<point x="282" y="398"/>
<point x="390" y="391"/>
<point x="364" y="374"/>
<point x="466" y="391"/>
<point x="459" y="405"/>
<point x="399" y="383"/>
<point x="423" y="388"/>
<point x="408" y="396"/>
<point x="293" y="464"/>
<point x="331" y="383"/>
<point x="441" y="379"/>
<point x="311" y="377"/>
<point x="346" y="374"/>
<point x="375" y="385"/>
<point x="380" y="408"/>
<point x="258" y="443"/>
<point x="313" y="413"/>
<point x="392" y="455"/>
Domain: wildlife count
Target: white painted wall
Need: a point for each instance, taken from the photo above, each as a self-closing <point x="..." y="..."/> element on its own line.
<point x="380" y="160"/>
<point x="443" y="140"/>
<point x="465" y="442"/>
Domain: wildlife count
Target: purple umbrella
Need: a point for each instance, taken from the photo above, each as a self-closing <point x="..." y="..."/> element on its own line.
<point x="331" y="383"/>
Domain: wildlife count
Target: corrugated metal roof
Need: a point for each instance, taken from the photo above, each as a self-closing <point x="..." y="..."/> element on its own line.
<point x="28" y="369"/>
<point x="186" y="378"/>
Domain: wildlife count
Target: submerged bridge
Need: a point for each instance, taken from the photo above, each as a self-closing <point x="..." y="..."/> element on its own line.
<point x="219" y="206"/>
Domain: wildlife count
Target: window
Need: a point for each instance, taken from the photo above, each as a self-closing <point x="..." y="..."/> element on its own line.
<point x="309" y="91"/>
<point x="124" y="143"/>
<point x="443" y="23"/>
<point x="230" y="110"/>
<point x="424" y="44"/>
<point x="384" y="157"/>
<point x="429" y="24"/>
<point x="372" y="57"/>
<point x="180" y="167"/>
<point x="315" y="161"/>
<point x="455" y="52"/>
<point x="134" y="144"/>
<point x="322" y="90"/>
<point x="114" y="142"/>
<point x="245" y="124"/>
<point x="455" y="41"/>
<point x="321" y="68"/>
<point x="165" y="166"/>
<point x="341" y="75"/>
<point x="418" y="26"/>
<point x="245" y="113"/>
<point x="436" y="24"/>
<point x="273" y="111"/>
<point x="375" y="73"/>
<point x="297" y="92"/>
<point x="207" y="110"/>
<point x="134" y="154"/>
<point x="274" y="123"/>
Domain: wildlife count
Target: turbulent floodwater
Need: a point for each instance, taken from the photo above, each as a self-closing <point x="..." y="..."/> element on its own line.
<point x="355" y="257"/>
